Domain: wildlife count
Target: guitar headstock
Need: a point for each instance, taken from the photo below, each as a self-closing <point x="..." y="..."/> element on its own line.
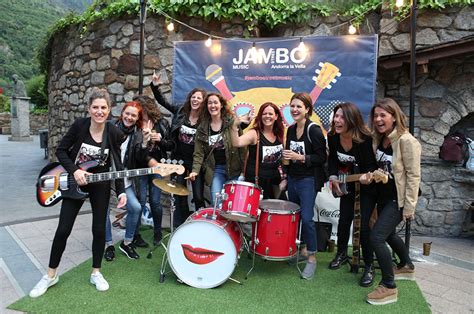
<point x="167" y="167"/>
<point x="380" y="176"/>
<point x="326" y="75"/>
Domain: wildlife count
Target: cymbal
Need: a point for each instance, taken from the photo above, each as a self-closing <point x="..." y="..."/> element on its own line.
<point x="171" y="187"/>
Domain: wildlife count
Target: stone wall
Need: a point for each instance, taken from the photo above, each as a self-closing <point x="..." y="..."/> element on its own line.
<point x="444" y="99"/>
<point x="433" y="27"/>
<point x="37" y="122"/>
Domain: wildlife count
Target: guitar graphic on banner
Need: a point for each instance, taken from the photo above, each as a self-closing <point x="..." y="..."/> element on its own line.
<point x="326" y="75"/>
<point x="55" y="183"/>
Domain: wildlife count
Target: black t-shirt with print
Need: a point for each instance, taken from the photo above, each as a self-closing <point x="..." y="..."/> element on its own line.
<point x="386" y="192"/>
<point x="186" y="140"/>
<point x="216" y="141"/>
<point x="269" y="159"/>
<point x="346" y="163"/>
<point x="90" y="152"/>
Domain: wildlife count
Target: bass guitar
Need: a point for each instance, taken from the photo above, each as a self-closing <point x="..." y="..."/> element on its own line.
<point x="55" y="183"/>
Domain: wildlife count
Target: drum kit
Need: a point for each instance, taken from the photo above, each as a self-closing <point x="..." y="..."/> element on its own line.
<point x="203" y="252"/>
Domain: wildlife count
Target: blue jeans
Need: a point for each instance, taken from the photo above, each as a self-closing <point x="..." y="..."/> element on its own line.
<point x="148" y="188"/>
<point x="134" y="210"/>
<point x="218" y="180"/>
<point x="389" y="216"/>
<point x="302" y="192"/>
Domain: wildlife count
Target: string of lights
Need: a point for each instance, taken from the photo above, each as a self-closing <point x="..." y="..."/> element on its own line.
<point x="352" y="30"/>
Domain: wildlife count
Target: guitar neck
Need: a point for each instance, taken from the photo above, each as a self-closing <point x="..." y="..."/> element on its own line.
<point x="346" y="178"/>
<point x="107" y="176"/>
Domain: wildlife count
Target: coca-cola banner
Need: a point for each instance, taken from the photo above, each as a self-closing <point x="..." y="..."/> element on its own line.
<point x="250" y="72"/>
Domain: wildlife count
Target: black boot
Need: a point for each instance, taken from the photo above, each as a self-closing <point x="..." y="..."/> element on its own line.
<point x="138" y="241"/>
<point x="340" y="259"/>
<point x="368" y="276"/>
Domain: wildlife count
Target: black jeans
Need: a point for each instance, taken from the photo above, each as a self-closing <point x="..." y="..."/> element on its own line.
<point x="99" y="195"/>
<point x="182" y="209"/>
<point x="389" y="216"/>
<point x="367" y="204"/>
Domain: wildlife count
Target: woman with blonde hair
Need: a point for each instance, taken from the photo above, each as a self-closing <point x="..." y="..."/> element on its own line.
<point x="398" y="153"/>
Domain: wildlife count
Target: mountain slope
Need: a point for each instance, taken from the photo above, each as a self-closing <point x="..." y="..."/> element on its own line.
<point x="22" y="26"/>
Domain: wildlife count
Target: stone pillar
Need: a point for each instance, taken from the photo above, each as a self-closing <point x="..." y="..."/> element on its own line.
<point x="20" y="115"/>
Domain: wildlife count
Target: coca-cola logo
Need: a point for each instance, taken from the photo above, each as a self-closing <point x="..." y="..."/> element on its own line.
<point x="329" y="213"/>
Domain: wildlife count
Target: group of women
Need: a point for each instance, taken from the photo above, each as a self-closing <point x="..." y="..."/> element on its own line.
<point x="208" y="137"/>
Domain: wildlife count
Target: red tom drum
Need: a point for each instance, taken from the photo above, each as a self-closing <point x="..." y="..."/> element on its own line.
<point x="240" y="201"/>
<point x="276" y="231"/>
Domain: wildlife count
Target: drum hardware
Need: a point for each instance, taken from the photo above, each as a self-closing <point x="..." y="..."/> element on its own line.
<point x="152" y="250"/>
<point x="276" y="237"/>
<point x="298" y="247"/>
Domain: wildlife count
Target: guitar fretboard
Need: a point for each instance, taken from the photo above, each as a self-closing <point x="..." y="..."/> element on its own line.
<point x="106" y="176"/>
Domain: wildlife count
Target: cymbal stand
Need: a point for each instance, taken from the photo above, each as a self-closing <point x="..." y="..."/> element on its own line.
<point x="164" y="260"/>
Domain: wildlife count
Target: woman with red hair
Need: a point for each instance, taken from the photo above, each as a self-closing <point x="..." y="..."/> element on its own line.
<point x="266" y="135"/>
<point x="133" y="155"/>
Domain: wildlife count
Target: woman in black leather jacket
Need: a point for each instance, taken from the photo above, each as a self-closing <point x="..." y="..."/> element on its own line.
<point x="183" y="131"/>
<point x="156" y="138"/>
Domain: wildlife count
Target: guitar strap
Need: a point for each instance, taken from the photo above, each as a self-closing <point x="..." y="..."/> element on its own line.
<point x="256" y="159"/>
<point x="103" y="145"/>
<point x="356" y="230"/>
<point x="357" y="218"/>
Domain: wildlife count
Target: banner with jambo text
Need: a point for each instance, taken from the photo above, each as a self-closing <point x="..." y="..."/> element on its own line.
<point x="250" y="72"/>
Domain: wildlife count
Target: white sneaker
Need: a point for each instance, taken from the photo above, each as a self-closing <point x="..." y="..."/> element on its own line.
<point x="43" y="285"/>
<point x="99" y="281"/>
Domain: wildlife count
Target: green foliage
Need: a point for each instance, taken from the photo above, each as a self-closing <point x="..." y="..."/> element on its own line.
<point x="4" y="103"/>
<point x="263" y="12"/>
<point x="23" y="25"/>
<point x="35" y="90"/>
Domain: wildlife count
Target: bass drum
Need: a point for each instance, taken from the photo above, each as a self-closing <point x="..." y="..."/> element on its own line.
<point x="203" y="252"/>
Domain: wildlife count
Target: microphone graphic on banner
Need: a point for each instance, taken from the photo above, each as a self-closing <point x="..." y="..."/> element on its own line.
<point x="214" y="75"/>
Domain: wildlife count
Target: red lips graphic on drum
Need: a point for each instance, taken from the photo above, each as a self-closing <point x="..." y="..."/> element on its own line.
<point x="199" y="255"/>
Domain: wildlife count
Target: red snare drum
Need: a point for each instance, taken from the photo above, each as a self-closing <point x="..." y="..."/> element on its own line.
<point x="240" y="201"/>
<point x="203" y="251"/>
<point x="276" y="231"/>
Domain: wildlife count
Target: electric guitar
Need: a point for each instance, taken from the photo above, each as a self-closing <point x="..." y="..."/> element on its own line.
<point x="55" y="183"/>
<point x="377" y="175"/>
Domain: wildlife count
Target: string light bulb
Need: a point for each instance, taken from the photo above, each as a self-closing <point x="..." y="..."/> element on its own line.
<point x="302" y="46"/>
<point x="254" y="53"/>
<point x="352" y="29"/>
<point x="170" y="26"/>
<point x="208" y="42"/>
<point x="399" y="3"/>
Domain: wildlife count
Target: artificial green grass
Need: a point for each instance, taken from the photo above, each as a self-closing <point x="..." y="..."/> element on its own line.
<point x="270" y="287"/>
